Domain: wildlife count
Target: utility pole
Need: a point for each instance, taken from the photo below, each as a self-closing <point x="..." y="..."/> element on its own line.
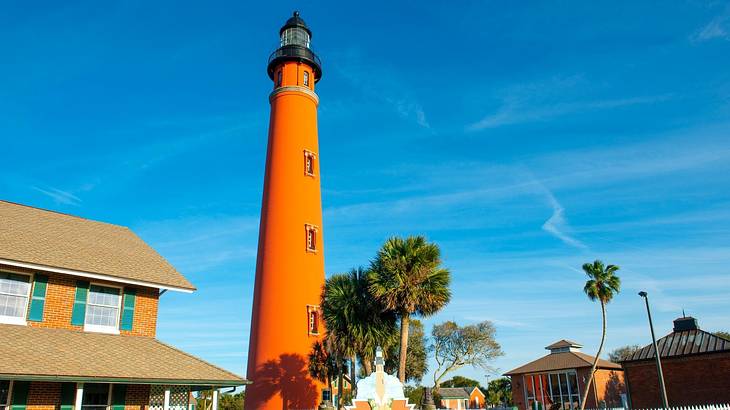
<point x="662" y="389"/>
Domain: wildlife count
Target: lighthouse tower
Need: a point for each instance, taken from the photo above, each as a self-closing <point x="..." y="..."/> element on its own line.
<point x="286" y="319"/>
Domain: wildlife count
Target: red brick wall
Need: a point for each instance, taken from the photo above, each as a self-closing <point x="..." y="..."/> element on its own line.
<point x="138" y="397"/>
<point x="518" y="391"/>
<point x="60" y="294"/>
<point x="44" y="396"/>
<point x="690" y="380"/>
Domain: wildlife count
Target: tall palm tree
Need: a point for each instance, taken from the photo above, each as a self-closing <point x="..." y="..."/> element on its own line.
<point x="355" y="322"/>
<point x="407" y="278"/>
<point x="602" y="285"/>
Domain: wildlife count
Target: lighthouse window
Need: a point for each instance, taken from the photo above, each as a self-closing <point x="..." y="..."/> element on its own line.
<point x="311" y="238"/>
<point x="309" y="158"/>
<point x="313" y="322"/>
<point x="278" y="79"/>
<point x="306" y="78"/>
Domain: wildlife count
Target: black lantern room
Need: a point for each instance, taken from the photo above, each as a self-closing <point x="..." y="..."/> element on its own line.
<point x="295" y="40"/>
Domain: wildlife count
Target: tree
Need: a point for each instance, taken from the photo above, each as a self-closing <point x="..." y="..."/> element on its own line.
<point x="457" y="346"/>
<point x="323" y="365"/>
<point x="723" y="334"/>
<point x="416" y="357"/>
<point x="602" y="285"/>
<point x="407" y="278"/>
<point x="622" y="353"/>
<point x="499" y="391"/>
<point x="356" y="324"/>
<point x="461" y="381"/>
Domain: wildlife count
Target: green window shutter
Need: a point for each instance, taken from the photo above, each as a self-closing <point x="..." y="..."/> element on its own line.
<point x="79" y="311"/>
<point x="38" y="298"/>
<point x="128" y="308"/>
<point x="119" y="395"/>
<point x="68" y="396"/>
<point x="20" y="395"/>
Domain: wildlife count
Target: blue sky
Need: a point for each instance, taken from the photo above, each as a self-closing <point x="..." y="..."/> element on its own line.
<point x="524" y="139"/>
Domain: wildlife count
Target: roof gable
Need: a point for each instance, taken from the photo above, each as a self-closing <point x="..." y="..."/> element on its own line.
<point x="562" y="361"/>
<point x="38" y="238"/>
<point x="455" y="392"/>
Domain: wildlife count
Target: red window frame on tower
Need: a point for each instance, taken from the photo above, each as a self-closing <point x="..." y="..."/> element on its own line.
<point x="311" y="237"/>
<point x="309" y="163"/>
<point x="313" y="318"/>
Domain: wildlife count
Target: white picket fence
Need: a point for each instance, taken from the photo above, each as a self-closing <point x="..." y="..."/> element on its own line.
<point x="705" y="407"/>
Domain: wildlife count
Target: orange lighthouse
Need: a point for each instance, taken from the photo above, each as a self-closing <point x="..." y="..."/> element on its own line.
<point x="290" y="264"/>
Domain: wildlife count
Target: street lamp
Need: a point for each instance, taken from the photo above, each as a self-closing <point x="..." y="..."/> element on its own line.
<point x="665" y="402"/>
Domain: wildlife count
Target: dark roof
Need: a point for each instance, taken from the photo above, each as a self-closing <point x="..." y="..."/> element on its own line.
<point x="455" y="392"/>
<point x="295" y="21"/>
<point x="563" y="343"/>
<point x="683" y="343"/>
<point x="561" y="361"/>
<point x="31" y="353"/>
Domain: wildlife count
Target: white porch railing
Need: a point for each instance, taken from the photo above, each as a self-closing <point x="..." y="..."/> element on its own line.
<point x="704" y="407"/>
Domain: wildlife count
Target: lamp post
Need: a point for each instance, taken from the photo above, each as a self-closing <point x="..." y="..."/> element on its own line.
<point x="663" y="390"/>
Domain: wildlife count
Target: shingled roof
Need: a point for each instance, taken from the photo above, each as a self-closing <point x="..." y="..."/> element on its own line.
<point x="30" y="353"/>
<point x="686" y="339"/>
<point x="560" y="359"/>
<point x="50" y="239"/>
<point x="455" y="392"/>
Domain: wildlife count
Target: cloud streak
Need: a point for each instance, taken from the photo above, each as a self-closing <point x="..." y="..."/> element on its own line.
<point x="717" y="28"/>
<point x="60" y="196"/>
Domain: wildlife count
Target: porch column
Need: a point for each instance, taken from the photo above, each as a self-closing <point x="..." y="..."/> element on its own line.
<point x="79" y="396"/>
<point x="215" y="399"/>
<point x="166" y="402"/>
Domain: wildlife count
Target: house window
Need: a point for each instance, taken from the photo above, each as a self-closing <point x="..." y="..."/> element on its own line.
<point x="278" y="78"/>
<point x="14" y="295"/>
<point x="313" y="317"/>
<point x="306" y="78"/>
<point x="311" y="231"/>
<point x="102" y="309"/>
<point x="4" y="394"/>
<point x="97" y="396"/>
<point x="558" y="390"/>
<point x="309" y="159"/>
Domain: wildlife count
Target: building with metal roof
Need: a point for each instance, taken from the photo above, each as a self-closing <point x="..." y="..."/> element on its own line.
<point x="695" y="363"/>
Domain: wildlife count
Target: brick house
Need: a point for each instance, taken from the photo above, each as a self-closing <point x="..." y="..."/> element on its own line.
<point x="695" y="363"/>
<point x="558" y="380"/>
<point x="78" y="317"/>
<point x="462" y="398"/>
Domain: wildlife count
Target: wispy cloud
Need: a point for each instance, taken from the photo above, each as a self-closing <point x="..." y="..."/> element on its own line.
<point x="60" y="196"/>
<point x="717" y="28"/>
<point x="516" y="111"/>
<point x="557" y="225"/>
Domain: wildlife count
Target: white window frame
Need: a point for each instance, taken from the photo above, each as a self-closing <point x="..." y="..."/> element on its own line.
<point x="311" y="157"/>
<point x="114" y="330"/>
<point x="305" y="79"/>
<point x="318" y="319"/>
<point x="96" y="406"/>
<point x="23" y="321"/>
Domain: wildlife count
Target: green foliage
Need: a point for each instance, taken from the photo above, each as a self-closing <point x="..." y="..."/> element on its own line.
<point x="461" y="381"/>
<point x="499" y="392"/>
<point x="407" y="278"/>
<point x="457" y="346"/>
<point x="416" y="357"/>
<point x="723" y="334"/>
<point x="603" y="283"/>
<point x="622" y="353"/>
<point x="226" y="401"/>
<point x="356" y="324"/>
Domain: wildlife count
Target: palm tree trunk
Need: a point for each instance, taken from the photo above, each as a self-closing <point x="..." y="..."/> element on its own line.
<point x="340" y="382"/>
<point x="595" y="361"/>
<point x="353" y="385"/>
<point x="404" y="320"/>
<point x="368" y="365"/>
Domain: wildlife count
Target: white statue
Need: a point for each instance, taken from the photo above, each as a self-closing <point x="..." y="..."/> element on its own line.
<point x="380" y="389"/>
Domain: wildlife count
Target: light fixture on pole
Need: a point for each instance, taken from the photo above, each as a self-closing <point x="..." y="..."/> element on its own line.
<point x="662" y="389"/>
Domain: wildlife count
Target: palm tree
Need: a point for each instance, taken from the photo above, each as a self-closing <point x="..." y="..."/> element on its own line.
<point x="602" y="286"/>
<point x="355" y="323"/>
<point x="407" y="278"/>
<point x="322" y="365"/>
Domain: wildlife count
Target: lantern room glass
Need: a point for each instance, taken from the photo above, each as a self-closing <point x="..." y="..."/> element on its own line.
<point x="295" y="36"/>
